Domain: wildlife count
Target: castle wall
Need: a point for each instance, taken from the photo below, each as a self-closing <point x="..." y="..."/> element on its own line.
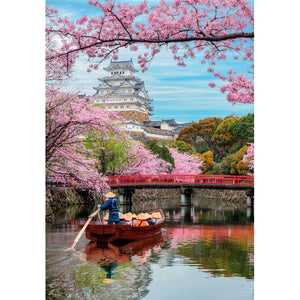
<point x="134" y="115"/>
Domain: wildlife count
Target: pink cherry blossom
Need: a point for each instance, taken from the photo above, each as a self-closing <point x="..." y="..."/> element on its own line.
<point x="143" y="162"/>
<point x="249" y="157"/>
<point x="185" y="163"/>
<point x="68" y="120"/>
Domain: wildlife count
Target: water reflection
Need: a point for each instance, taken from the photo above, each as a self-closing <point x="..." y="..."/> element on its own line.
<point x="216" y="240"/>
<point x="113" y="264"/>
<point x="222" y="250"/>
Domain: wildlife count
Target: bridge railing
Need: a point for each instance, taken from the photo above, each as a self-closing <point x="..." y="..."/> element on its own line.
<point x="178" y="179"/>
<point x="166" y="179"/>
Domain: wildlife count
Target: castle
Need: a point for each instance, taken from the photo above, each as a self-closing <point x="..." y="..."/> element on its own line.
<point x="122" y="92"/>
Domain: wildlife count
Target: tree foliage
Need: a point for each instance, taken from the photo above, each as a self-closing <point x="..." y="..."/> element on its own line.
<point x="161" y="151"/>
<point x="185" y="163"/>
<point x="208" y="160"/>
<point x="226" y="164"/>
<point x="224" y="137"/>
<point x="181" y="147"/>
<point x="242" y="128"/>
<point x="142" y="162"/>
<point x="249" y="157"/>
<point x="68" y="120"/>
<point x="238" y="167"/>
<point x="108" y="149"/>
<point x="199" y="135"/>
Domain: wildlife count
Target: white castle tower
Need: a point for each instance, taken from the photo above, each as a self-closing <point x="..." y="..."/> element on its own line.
<point x="120" y="91"/>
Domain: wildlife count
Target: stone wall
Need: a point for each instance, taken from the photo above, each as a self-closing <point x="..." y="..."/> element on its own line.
<point x="134" y="115"/>
<point x="231" y="195"/>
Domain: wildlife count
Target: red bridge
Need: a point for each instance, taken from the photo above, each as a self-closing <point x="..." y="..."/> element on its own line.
<point x="127" y="184"/>
<point x="195" y="181"/>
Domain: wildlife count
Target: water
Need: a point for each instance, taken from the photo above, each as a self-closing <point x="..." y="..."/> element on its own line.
<point x="205" y="251"/>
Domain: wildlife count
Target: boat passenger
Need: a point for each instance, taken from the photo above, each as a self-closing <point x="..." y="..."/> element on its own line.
<point x="156" y="216"/>
<point x="122" y="219"/>
<point x="141" y="220"/>
<point x="128" y="218"/>
<point x="112" y="206"/>
<point x="133" y="220"/>
<point x="149" y="219"/>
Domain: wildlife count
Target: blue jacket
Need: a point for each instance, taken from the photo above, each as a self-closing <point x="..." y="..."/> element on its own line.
<point x="112" y="206"/>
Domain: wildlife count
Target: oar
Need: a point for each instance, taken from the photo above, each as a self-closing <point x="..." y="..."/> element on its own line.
<point x="82" y="230"/>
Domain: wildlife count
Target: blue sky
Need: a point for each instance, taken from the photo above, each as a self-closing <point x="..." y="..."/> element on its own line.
<point x="181" y="93"/>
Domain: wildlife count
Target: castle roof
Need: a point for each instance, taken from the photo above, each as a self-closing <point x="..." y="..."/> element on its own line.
<point x="125" y="64"/>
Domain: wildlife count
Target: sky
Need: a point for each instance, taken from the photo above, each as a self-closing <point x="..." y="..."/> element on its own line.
<point x="177" y="92"/>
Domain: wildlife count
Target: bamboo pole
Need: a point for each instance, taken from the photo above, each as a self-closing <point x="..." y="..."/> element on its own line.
<point x="82" y="230"/>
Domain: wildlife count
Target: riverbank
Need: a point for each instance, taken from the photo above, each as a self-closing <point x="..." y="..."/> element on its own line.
<point x="59" y="198"/>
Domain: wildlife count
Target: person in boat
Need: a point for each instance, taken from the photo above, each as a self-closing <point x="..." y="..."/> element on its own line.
<point x="122" y="219"/>
<point x="149" y="219"/>
<point x="112" y="205"/>
<point x="133" y="220"/>
<point x="128" y="218"/>
<point x="141" y="220"/>
<point x="156" y="217"/>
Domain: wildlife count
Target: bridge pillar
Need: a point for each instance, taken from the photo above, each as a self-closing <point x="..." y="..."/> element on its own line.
<point x="125" y="195"/>
<point x="250" y="197"/>
<point x="186" y="214"/>
<point x="186" y="196"/>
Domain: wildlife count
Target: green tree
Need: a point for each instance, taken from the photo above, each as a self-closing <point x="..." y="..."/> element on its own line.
<point x="108" y="149"/>
<point x="161" y="151"/>
<point x="238" y="167"/>
<point x="243" y="129"/>
<point x="224" y="137"/>
<point x="208" y="160"/>
<point x="226" y="164"/>
<point x="181" y="147"/>
<point x="199" y="135"/>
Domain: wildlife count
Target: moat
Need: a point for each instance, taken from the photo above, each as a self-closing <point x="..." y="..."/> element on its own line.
<point x="205" y="250"/>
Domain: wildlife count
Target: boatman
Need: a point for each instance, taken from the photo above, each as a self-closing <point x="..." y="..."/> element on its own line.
<point x="112" y="205"/>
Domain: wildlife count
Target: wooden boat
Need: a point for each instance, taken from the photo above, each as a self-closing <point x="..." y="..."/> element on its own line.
<point x="103" y="234"/>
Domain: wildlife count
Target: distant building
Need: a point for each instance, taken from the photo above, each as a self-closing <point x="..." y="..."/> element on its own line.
<point x="120" y="91"/>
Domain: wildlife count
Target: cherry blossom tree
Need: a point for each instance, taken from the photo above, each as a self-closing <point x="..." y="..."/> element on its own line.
<point x="185" y="163"/>
<point x="217" y="29"/>
<point x="249" y="157"/>
<point x="142" y="162"/>
<point x="68" y="121"/>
